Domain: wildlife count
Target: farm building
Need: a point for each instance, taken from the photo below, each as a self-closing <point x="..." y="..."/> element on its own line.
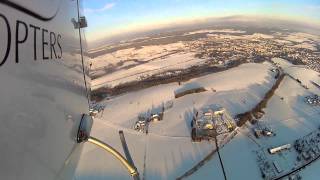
<point x="279" y="148"/>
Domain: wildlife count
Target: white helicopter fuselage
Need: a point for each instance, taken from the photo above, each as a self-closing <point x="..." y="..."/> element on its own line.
<point x="43" y="92"/>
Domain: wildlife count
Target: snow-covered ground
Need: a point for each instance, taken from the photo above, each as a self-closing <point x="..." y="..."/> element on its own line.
<point x="143" y="54"/>
<point x="235" y="89"/>
<point x="167" y="151"/>
<point x="238" y="158"/>
<point x="172" y="62"/>
<point x="215" y="31"/>
<point x="300" y="37"/>
<point x="289" y="118"/>
<point x="168" y="147"/>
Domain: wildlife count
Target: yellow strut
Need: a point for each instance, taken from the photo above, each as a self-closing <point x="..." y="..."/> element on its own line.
<point x="132" y="170"/>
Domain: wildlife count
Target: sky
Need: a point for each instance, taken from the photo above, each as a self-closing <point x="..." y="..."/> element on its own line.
<point x="107" y="18"/>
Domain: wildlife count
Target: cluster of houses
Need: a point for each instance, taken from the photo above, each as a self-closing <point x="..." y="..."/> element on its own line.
<point x="143" y="121"/>
<point x="313" y="100"/>
<point x="154" y="114"/>
<point x="271" y="169"/>
<point x="261" y="130"/>
<point x="95" y="108"/>
<point x="308" y="148"/>
<point x="266" y="166"/>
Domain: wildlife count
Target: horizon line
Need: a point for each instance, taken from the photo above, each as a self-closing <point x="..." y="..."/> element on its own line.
<point x="147" y="27"/>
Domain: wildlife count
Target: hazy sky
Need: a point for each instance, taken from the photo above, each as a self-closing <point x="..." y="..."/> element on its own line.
<point x="110" y="17"/>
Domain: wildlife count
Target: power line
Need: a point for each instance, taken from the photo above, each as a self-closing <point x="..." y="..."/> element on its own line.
<point x="222" y="167"/>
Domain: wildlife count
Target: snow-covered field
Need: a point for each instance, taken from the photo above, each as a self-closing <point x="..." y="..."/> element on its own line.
<point x="168" y="146"/>
<point x="290" y="119"/>
<point x="172" y="62"/>
<point x="167" y="151"/>
<point x="300" y="37"/>
<point x="143" y="54"/>
<point x="249" y="80"/>
<point x="215" y="31"/>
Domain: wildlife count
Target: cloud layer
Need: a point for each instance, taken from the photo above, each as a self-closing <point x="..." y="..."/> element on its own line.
<point x="104" y="8"/>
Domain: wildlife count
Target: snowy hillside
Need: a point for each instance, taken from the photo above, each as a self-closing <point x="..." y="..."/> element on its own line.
<point x="167" y="151"/>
